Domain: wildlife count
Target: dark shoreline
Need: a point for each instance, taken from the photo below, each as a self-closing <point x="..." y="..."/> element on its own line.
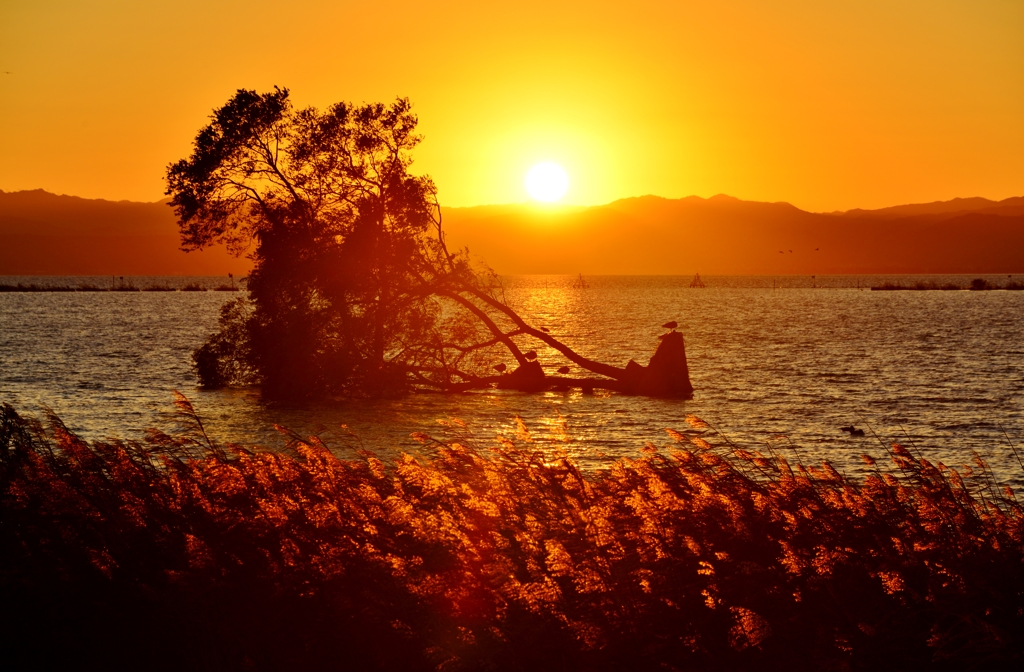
<point x="978" y="284"/>
<point x="126" y="287"/>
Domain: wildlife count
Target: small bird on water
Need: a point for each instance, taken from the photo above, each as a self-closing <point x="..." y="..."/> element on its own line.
<point x="670" y="325"/>
<point x="531" y="355"/>
<point x="500" y="368"/>
<point x="563" y="370"/>
<point x="852" y="430"/>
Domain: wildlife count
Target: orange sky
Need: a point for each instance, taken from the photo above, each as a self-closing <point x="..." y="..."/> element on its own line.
<point x="828" y="105"/>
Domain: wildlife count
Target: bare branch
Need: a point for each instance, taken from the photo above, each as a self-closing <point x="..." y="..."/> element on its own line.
<point x="570" y="354"/>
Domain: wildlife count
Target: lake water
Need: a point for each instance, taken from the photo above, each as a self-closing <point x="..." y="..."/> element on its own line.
<point x="783" y="360"/>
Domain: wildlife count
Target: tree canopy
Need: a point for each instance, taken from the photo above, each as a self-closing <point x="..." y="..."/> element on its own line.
<point x="353" y="287"/>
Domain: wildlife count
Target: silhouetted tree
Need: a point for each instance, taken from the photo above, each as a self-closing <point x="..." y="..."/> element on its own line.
<point x="353" y="286"/>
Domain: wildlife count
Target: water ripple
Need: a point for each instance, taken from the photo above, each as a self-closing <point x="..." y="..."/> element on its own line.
<point x="801" y="362"/>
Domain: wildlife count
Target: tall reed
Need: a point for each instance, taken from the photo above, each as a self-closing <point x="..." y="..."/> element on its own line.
<point x="179" y="552"/>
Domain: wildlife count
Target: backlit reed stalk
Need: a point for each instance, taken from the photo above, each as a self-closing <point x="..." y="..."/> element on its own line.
<point x="177" y="552"/>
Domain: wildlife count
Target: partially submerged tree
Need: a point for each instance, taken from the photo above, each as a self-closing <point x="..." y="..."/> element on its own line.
<point x="353" y="287"/>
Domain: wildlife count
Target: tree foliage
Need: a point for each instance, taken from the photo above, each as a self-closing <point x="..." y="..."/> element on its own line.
<point x="353" y="287"/>
<point x="340" y="235"/>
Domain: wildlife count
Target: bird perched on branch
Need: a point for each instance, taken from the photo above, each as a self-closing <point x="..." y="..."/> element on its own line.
<point x="563" y="370"/>
<point x="670" y="325"/>
<point x="500" y="368"/>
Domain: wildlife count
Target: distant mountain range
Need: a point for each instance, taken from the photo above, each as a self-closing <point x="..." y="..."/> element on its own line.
<point x="46" y="234"/>
<point x="724" y="235"/>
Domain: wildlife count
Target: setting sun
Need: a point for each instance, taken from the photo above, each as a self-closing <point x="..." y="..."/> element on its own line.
<point x="546" y="182"/>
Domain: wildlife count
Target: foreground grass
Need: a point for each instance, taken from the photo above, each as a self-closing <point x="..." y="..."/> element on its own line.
<point x="178" y="553"/>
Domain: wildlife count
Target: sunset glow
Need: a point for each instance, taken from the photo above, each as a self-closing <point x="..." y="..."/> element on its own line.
<point x="826" y="106"/>
<point x="547" y="182"/>
<point x="374" y="335"/>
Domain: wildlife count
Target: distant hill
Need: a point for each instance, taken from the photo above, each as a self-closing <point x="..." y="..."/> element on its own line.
<point x="940" y="210"/>
<point x="42" y="233"/>
<point x="46" y="234"/>
<point x="725" y="235"/>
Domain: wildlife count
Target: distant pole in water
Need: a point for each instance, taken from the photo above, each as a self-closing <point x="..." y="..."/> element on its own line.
<point x="697" y="282"/>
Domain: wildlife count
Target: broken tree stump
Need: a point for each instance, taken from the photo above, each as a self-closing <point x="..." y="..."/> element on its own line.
<point x="667" y="374"/>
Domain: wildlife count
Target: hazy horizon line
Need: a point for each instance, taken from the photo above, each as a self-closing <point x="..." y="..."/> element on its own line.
<point x="551" y="207"/>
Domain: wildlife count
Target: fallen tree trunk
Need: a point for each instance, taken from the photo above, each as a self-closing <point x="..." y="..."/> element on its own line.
<point x="667" y="375"/>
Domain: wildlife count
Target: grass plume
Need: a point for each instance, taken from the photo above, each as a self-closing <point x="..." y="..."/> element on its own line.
<point x="178" y="552"/>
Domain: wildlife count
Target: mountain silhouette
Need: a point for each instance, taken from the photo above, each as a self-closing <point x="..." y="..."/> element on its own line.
<point x="726" y="235"/>
<point x="945" y="209"/>
<point x="45" y="234"/>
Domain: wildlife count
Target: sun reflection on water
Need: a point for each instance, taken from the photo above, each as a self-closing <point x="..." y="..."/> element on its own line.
<point x="946" y="368"/>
